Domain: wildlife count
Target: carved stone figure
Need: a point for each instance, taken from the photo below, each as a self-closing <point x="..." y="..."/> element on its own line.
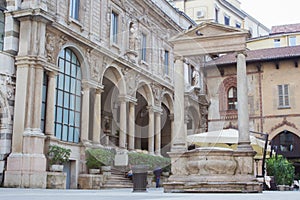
<point x="196" y="77"/>
<point x="133" y="37"/>
<point x="50" y="47"/>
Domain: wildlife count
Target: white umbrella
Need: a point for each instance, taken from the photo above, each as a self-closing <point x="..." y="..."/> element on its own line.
<point x="226" y="136"/>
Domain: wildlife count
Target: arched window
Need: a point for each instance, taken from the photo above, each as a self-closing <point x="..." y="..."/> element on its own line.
<point x="68" y="97"/>
<point x="232" y="98"/>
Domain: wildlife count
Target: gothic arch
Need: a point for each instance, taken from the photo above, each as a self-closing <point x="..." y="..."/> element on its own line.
<point x="283" y="127"/>
<point x="223" y="90"/>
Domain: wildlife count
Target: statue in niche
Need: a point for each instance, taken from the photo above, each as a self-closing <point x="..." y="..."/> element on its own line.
<point x="196" y="78"/>
<point x="133" y="36"/>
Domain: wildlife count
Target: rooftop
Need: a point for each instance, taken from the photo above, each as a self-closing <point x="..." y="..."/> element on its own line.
<point x="287" y="28"/>
<point x="259" y="55"/>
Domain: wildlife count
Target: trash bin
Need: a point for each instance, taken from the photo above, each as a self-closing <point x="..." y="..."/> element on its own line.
<point x="139" y="178"/>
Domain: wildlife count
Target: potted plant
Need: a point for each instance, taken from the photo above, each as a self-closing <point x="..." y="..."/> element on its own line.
<point x="282" y="170"/>
<point x="99" y="158"/>
<point x="57" y="157"/>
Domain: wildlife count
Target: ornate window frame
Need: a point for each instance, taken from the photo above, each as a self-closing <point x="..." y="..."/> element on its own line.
<point x="223" y="97"/>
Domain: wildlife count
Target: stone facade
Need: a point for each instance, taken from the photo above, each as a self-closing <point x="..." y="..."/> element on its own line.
<point x="98" y="74"/>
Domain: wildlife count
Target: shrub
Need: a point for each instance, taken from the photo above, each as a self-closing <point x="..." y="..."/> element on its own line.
<point x="149" y="160"/>
<point x="95" y="158"/>
<point x="282" y="170"/>
<point x="58" y="155"/>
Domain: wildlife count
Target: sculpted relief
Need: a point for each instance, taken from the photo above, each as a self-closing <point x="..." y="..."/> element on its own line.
<point x="52" y="49"/>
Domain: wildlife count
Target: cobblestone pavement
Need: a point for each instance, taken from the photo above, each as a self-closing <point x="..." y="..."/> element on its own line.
<point x="127" y="194"/>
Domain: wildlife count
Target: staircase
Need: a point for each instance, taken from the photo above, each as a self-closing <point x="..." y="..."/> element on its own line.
<point x="117" y="180"/>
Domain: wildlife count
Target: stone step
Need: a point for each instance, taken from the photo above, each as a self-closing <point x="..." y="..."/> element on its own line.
<point x="108" y="186"/>
<point x="117" y="180"/>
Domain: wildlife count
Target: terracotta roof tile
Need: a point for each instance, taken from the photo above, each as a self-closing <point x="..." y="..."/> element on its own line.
<point x="288" y="28"/>
<point x="259" y="55"/>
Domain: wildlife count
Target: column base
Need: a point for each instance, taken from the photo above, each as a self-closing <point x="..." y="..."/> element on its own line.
<point x="25" y="179"/>
<point x="244" y="147"/>
<point x="26" y="171"/>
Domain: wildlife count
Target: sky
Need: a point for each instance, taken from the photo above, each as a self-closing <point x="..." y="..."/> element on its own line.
<point x="273" y="12"/>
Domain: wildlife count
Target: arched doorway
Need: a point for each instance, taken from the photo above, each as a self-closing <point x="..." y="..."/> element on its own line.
<point x="287" y="143"/>
<point x="144" y="119"/>
<point x="110" y="105"/>
<point x="141" y="123"/>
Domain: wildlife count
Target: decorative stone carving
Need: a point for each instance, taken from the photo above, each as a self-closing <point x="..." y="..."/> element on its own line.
<point x="212" y="166"/>
<point x="62" y="41"/>
<point x="157" y="94"/>
<point x="132" y="79"/>
<point x="50" y="45"/>
<point x="284" y="122"/>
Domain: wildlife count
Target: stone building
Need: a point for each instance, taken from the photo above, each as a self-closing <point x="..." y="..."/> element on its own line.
<point x="272" y="92"/>
<point x="226" y="12"/>
<point x="87" y="73"/>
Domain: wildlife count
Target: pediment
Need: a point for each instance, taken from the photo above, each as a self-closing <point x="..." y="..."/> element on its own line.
<point x="209" y="29"/>
<point x="208" y="38"/>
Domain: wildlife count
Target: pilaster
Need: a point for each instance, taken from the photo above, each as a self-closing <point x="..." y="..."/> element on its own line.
<point x="50" y="108"/>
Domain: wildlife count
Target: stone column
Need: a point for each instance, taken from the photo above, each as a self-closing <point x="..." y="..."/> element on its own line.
<point x="243" y="112"/>
<point x="151" y="131"/>
<point x="97" y="117"/>
<point x="179" y="138"/>
<point x="37" y="101"/>
<point x="85" y="107"/>
<point x="123" y="123"/>
<point x="131" y="126"/>
<point x="50" y="108"/>
<point x="158" y="133"/>
<point x="172" y="128"/>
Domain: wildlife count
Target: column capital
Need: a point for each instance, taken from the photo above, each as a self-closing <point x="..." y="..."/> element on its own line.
<point x="127" y="98"/>
<point x="91" y="84"/>
<point x="243" y="52"/>
<point x="99" y="90"/>
<point x="52" y="74"/>
<point x="155" y="109"/>
<point x="178" y="58"/>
